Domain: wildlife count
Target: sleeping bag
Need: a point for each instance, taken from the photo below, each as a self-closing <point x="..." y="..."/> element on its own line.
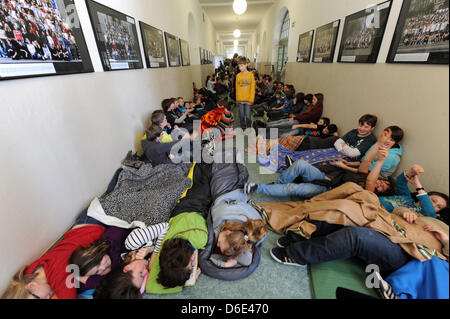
<point x="232" y="206"/>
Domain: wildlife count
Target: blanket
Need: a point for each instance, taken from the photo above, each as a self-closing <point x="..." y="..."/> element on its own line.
<point x="351" y="205"/>
<point x="142" y="197"/>
<point x="276" y="160"/>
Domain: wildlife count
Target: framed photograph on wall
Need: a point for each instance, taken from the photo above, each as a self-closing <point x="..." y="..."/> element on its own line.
<point x="363" y="34"/>
<point x="325" y="44"/>
<point x="305" y="47"/>
<point x="422" y="33"/>
<point x="173" y="49"/>
<point x="29" y="48"/>
<point x="154" y="49"/>
<point x="116" y="37"/>
<point x="185" y="56"/>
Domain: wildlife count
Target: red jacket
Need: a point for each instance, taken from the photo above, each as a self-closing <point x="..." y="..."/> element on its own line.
<point x="56" y="260"/>
<point x="312" y="116"/>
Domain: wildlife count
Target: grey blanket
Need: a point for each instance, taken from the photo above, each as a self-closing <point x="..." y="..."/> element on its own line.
<point x="147" y="194"/>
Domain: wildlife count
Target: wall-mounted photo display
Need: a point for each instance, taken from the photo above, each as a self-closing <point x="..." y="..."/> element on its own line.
<point x="116" y="37"/>
<point x="185" y="56"/>
<point x="363" y="34"/>
<point x="173" y="49"/>
<point x="325" y="44"/>
<point x="422" y="31"/>
<point x="154" y="49"/>
<point x="305" y="47"/>
<point x="41" y="38"/>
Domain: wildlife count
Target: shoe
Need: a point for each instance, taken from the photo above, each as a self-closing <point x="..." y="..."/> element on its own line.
<point x="280" y="256"/>
<point x="265" y="117"/>
<point x="261" y="124"/>
<point x="250" y="188"/>
<point x="283" y="242"/>
<point x="288" y="161"/>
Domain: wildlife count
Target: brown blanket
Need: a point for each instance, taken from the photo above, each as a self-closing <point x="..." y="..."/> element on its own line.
<point x="351" y="205"/>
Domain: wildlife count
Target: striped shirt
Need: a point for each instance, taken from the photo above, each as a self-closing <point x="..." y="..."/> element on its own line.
<point x="151" y="236"/>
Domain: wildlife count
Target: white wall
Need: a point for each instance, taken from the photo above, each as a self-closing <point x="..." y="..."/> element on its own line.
<point x="62" y="137"/>
<point x="415" y="97"/>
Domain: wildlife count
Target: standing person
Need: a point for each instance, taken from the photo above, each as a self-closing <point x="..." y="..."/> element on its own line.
<point x="245" y="92"/>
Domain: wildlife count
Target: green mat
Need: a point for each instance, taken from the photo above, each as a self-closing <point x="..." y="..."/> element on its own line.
<point x="350" y="274"/>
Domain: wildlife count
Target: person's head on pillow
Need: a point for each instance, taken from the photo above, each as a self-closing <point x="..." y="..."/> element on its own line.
<point x="118" y="284"/>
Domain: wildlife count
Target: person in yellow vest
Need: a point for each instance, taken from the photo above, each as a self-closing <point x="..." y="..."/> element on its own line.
<point x="245" y="92"/>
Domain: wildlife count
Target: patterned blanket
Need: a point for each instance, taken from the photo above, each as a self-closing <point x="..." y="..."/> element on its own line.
<point x="276" y="159"/>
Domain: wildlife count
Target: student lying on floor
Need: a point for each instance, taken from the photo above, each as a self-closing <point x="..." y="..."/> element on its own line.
<point x="234" y="238"/>
<point x="349" y="222"/>
<point x="317" y="180"/>
<point x="432" y="204"/>
<point x="47" y="277"/>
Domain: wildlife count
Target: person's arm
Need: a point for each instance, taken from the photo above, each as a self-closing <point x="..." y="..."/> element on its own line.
<point x="375" y="172"/>
<point x="307" y="126"/>
<point x="441" y="236"/>
<point x="252" y="90"/>
<point x="422" y="195"/>
<point x="141" y="237"/>
<point x="180" y="119"/>
<point x="344" y="166"/>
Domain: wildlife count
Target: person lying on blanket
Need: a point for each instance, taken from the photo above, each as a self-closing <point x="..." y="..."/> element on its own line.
<point x="104" y="255"/>
<point x="317" y="180"/>
<point x="237" y="227"/>
<point x="47" y="277"/>
<point x="350" y="222"/>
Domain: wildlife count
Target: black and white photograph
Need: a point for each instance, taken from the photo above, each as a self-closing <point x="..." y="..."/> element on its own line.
<point x="422" y="33"/>
<point x="305" y="46"/>
<point x="325" y="43"/>
<point x="153" y="41"/>
<point x="363" y="34"/>
<point x="185" y="57"/>
<point x="40" y="38"/>
<point x="173" y="49"/>
<point x="116" y="37"/>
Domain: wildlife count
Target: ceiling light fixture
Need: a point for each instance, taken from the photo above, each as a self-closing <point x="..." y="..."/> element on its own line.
<point x="237" y="33"/>
<point x="239" y="6"/>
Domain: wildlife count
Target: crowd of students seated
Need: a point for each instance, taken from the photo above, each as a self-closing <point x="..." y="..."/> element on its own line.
<point x="352" y="207"/>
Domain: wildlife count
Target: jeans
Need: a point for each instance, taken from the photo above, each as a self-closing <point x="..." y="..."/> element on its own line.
<point x="284" y="185"/>
<point x="245" y="114"/>
<point x="331" y="242"/>
<point x="282" y="123"/>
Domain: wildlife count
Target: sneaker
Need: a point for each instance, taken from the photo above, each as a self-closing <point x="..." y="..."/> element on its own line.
<point x="250" y="188"/>
<point x="280" y="256"/>
<point x="288" y="161"/>
<point x="283" y="242"/>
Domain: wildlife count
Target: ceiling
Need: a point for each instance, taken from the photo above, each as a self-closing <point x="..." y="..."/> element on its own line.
<point x="226" y="21"/>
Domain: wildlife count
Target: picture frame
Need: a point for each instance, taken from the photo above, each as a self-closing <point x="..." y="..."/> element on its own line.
<point x="325" y="42"/>
<point x="173" y="50"/>
<point x="116" y="37"/>
<point x="424" y="43"/>
<point x="30" y="50"/>
<point x="154" y="47"/>
<point x="185" y="55"/>
<point x="304" y="49"/>
<point x="363" y="34"/>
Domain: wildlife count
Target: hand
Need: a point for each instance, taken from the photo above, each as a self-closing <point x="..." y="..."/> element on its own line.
<point x="143" y="252"/>
<point x="231" y="263"/>
<point x="438" y="233"/>
<point x="338" y="164"/>
<point x="410" y="217"/>
<point x="175" y="127"/>
<point x="294" y="127"/>
<point x="416" y="170"/>
<point x="291" y="116"/>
